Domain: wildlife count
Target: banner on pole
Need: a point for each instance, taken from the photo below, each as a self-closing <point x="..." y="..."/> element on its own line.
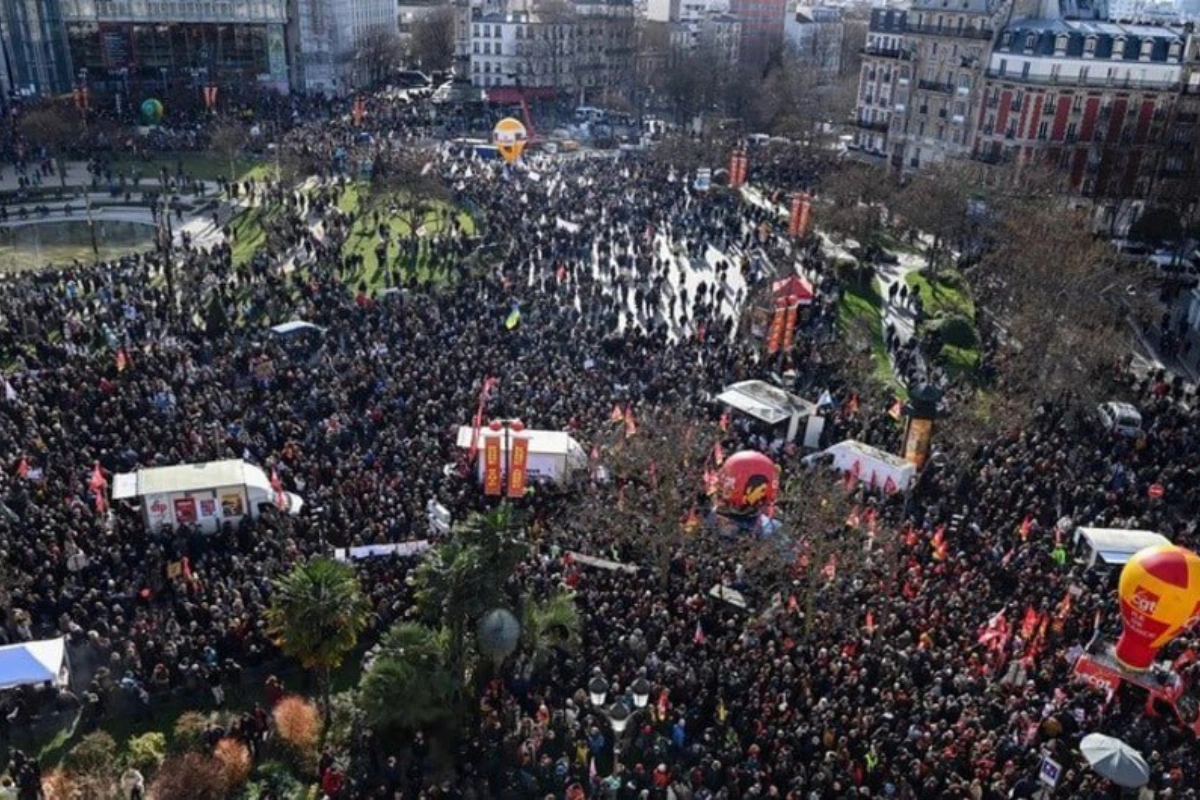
<point x="518" y="467"/>
<point x="492" y="485"/>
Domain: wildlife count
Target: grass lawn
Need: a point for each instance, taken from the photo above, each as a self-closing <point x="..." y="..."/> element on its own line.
<point x="944" y="298"/>
<point x="859" y="317"/>
<point x="362" y="240"/>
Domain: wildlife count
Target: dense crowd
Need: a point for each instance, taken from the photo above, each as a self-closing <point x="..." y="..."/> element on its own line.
<point x="629" y="286"/>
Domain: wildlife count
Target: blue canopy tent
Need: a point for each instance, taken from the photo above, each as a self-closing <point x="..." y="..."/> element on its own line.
<point x="33" y="663"/>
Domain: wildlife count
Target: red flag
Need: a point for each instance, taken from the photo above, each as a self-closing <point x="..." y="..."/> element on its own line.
<point x="97" y="481"/>
<point x="477" y="423"/>
<point x="871" y="518"/>
<point x="724" y="423"/>
<point x="792" y="603"/>
<point x="938" y="542"/>
<point x="630" y="422"/>
<point x="995" y="633"/>
<point x="870" y="624"/>
<point x="710" y="482"/>
<point x="874" y="480"/>
<point x="1029" y="623"/>
<point x="896" y="410"/>
<point x="663" y="706"/>
<point x="856" y="468"/>
<point x="23" y="468"/>
<point x="122" y="360"/>
<point x="1026" y="527"/>
<point x="653" y="470"/>
<point x="691" y="523"/>
<point x="617" y="414"/>
<point x="718" y="454"/>
<point x="889" y="485"/>
<point x="561" y="274"/>
<point x="698" y="637"/>
<point x="277" y="487"/>
<point x="852" y="403"/>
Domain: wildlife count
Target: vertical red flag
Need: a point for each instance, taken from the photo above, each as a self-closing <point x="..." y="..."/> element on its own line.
<point x="518" y="467"/>
<point x="617" y="414"/>
<point x="723" y="424"/>
<point x="789" y="325"/>
<point x="492" y="479"/>
<point x="778" y="322"/>
<point x="698" y="637"/>
<point x="630" y="422"/>
<point x="794" y="217"/>
<point x="97" y="484"/>
<point x="277" y="487"/>
<point x="122" y="360"/>
<point x="889" y="485"/>
<point x="1026" y="527"/>
<point x="718" y="454"/>
<point x="23" y="468"/>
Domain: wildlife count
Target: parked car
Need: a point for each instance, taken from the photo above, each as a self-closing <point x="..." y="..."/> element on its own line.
<point x="1121" y="418"/>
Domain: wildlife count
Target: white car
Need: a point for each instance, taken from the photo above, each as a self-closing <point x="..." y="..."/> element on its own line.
<point x="1118" y="417"/>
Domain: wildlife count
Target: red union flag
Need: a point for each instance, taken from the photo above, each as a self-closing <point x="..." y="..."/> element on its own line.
<point x="518" y="467"/>
<point x="492" y="485"/>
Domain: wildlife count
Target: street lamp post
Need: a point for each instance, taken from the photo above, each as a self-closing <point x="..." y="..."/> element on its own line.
<point x="597" y="688"/>
<point x="84" y="101"/>
<point x="640" y="689"/>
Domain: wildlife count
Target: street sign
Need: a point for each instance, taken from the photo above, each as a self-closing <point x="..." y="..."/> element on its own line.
<point x="1049" y="771"/>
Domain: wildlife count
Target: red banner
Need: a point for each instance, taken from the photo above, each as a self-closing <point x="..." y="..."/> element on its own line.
<point x="801" y="217"/>
<point x="210" y="97"/>
<point x="775" y="337"/>
<point x="789" y="326"/>
<point x="518" y="467"/>
<point x="492" y="480"/>
<point x="738" y="167"/>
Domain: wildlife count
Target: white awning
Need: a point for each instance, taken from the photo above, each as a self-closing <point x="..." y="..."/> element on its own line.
<point x="31" y="663"/>
<point x="765" y="402"/>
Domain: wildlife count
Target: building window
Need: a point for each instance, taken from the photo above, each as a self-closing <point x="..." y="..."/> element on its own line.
<point x="1118" y="48"/>
<point x="475" y="30"/>
<point x="1043" y="130"/>
<point x="487" y="48"/>
<point x="1003" y="66"/>
<point x="1147" y="49"/>
<point x="1089" y="46"/>
<point x="475" y="48"/>
<point x="1077" y="103"/>
<point x="1175" y="50"/>
<point x="1060" y="44"/>
<point x="1031" y="41"/>
<point x="1055" y="69"/>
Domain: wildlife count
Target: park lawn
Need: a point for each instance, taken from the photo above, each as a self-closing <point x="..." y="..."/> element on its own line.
<point x="860" y="312"/>
<point x="362" y="240"/>
<point x="943" y="298"/>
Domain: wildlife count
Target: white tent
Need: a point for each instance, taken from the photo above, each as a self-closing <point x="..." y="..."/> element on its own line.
<point x="31" y="663"/>
<point x="1113" y="546"/>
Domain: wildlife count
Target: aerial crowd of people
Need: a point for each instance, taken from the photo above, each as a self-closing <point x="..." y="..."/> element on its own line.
<point x="632" y="290"/>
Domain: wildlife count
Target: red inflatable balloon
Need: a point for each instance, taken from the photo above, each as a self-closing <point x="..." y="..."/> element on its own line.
<point x="748" y="481"/>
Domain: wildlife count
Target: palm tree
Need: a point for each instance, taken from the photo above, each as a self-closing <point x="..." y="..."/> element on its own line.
<point x="466" y="576"/>
<point x="317" y="612"/>
<point x="549" y="625"/>
<point x="409" y="685"/>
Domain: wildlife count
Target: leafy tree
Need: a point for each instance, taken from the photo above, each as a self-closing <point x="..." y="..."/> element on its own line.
<point x="550" y="624"/>
<point x="316" y="614"/>
<point x="465" y="577"/>
<point x="410" y="684"/>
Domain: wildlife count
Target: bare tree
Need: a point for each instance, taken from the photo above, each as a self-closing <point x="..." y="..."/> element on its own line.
<point x="656" y="477"/>
<point x="55" y="126"/>
<point x="378" y="53"/>
<point x="856" y="198"/>
<point x="228" y="138"/>
<point x="937" y="202"/>
<point x="432" y="42"/>
<point x="1052" y="299"/>
<point x="404" y="185"/>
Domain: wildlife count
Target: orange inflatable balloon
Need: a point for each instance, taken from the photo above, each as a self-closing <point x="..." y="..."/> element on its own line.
<point x="748" y="481"/>
<point x="510" y="136"/>
<point x="1160" y="597"/>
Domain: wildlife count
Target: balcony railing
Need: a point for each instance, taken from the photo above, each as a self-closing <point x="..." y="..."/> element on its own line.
<point x="883" y="52"/>
<point x="963" y="33"/>
<point x="933" y="86"/>
<point x="881" y="127"/>
<point x="1097" y="81"/>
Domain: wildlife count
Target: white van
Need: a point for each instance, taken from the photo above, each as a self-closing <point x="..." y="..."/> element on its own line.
<point x="1117" y="417"/>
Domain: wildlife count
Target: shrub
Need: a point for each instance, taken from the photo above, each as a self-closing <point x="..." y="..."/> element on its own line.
<point x="297" y="723"/>
<point x="957" y="331"/>
<point x="188" y="734"/>
<point x="190" y="776"/>
<point x="235" y="760"/>
<point x="57" y="784"/>
<point x="277" y="777"/>
<point x="95" y="753"/>
<point x="146" y="752"/>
